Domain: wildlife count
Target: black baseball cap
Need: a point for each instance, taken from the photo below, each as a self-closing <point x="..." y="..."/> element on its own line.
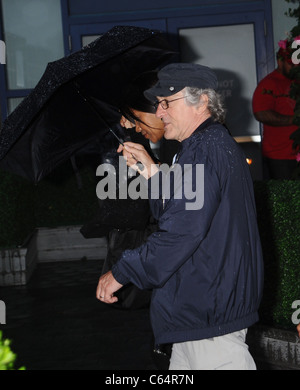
<point x="175" y="77"/>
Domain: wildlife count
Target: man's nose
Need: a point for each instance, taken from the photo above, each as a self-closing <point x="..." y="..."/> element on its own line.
<point x="160" y="111"/>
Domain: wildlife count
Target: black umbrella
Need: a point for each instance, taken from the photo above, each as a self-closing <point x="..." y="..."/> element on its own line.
<point x="77" y="100"/>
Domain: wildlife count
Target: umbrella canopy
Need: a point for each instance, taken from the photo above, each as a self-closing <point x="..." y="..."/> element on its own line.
<point x="77" y="100"/>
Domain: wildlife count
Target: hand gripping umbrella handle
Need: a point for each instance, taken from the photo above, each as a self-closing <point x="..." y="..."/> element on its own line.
<point x="138" y="163"/>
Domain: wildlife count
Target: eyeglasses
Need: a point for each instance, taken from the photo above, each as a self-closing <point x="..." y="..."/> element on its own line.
<point x="165" y="103"/>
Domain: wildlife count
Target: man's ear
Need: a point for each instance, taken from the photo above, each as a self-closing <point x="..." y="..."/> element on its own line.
<point x="203" y="103"/>
<point x="203" y="100"/>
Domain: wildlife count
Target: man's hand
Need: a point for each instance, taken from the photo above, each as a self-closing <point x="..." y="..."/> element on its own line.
<point x="134" y="152"/>
<point x="106" y="288"/>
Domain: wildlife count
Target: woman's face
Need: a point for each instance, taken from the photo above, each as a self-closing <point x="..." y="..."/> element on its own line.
<point x="149" y="125"/>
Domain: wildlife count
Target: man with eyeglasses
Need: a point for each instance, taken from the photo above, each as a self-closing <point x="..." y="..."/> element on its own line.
<point x="204" y="264"/>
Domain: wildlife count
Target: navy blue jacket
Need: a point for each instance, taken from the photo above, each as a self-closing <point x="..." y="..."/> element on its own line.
<point x="205" y="266"/>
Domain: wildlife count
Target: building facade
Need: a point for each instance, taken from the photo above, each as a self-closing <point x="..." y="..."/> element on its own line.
<point x="234" y="37"/>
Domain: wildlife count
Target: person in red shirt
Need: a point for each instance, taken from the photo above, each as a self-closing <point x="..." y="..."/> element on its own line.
<point x="273" y="107"/>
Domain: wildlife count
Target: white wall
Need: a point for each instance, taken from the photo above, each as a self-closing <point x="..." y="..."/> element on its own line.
<point x="234" y="64"/>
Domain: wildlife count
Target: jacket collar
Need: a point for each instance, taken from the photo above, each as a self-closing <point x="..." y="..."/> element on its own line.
<point x="199" y="129"/>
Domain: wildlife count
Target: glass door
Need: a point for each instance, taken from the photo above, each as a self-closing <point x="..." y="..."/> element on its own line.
<point x="237" y="47"/>
<point x="235" y="65"/>
<point x="31" y="43"/>
<point x="229" y="45"/>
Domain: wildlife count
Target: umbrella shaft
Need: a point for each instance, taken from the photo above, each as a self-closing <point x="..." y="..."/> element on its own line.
<point x="87" y="100"/>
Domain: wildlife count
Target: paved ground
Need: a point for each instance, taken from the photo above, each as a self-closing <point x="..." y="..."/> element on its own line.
<point x="56" y="323"/>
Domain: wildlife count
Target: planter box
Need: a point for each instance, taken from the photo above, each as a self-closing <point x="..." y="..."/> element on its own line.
<point x="67" y="243"/>
<point x="48" y="245"/>
<point x="273" y="348"/>
<point x="15" y="267"/>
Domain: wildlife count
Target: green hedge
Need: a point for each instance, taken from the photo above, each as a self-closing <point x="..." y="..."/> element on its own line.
<point x="278" y="209"/>
<point x="57" y="201"/>
<point x="7" y="356"/>
<point x="16" y="210"/>
<point x="64" y="199"/>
